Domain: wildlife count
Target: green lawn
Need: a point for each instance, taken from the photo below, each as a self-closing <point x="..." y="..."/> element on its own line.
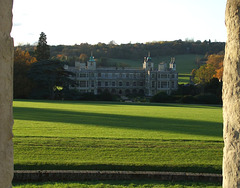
<point x="185" y="64"/>
<point x="119" y="184"/>
<point x="117" y="136"/>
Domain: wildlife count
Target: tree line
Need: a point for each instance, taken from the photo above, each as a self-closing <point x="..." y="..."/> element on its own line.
<point x="130" y="51"/>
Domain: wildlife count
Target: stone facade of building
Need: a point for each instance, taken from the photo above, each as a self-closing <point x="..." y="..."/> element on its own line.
<point x="125" y="81"/>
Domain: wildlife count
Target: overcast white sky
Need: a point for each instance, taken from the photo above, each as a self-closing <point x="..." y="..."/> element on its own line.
<point x="92" y="21"/>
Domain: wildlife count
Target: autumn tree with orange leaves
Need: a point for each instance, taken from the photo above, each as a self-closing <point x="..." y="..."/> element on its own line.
<point x="22" y="85"/>
<point x="212" y="69"/>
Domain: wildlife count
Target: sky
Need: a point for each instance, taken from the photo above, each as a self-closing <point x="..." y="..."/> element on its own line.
<point x="72" y="22"/>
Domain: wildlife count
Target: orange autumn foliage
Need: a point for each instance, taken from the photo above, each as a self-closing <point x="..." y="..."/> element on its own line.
<point x="21" y="83"/>
<point x="216" y="61"/>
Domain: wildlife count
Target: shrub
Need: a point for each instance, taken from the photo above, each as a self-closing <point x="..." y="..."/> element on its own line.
<point x="161" y="97"/>
<point x="207" y="99"/>
<point x="189" y="99"/>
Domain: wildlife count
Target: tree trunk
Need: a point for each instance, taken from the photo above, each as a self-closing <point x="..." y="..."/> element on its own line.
<point x="231" y="97"/>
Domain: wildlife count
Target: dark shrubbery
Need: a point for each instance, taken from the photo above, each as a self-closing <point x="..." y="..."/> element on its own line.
<point x="208" y="93"/>
<point x="189" y="99"/>
<point x="207" y="99"/>
<point x="162" y="97"/>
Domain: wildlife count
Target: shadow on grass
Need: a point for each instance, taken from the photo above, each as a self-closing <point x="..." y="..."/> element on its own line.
<point x="181" y="126"/>
<point x="187" y="168"/>
<point x="109" y="103"/>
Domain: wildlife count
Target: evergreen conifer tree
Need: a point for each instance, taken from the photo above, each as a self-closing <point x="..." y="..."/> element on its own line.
<point x="43" y="50"/>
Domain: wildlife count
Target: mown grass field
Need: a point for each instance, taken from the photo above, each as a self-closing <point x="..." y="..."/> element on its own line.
<point x="119" y="184"/>
<point x="117" y="136"/>
<point x="185" y="64"/>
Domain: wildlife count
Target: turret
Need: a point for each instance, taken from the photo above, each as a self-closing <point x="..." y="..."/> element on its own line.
<point x="148" y="64"/>
<point x="172" y="64"/>
<point x="91" y="64"/>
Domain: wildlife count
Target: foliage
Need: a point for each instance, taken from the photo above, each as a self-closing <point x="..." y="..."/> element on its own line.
<point x="43" y="50"/>
<point x="117" y="136"/>
<point x="204" y="74"/>
<point x="50" y="78"/>
<point x="161" y="97"/>
<point x="189" y="99"/>
<point x="83" y="58"/>
<point x="216" y="60"/>
<point x="207" y="98"/>
<point x="22" y="85"/>
<point x="212" y="69"/>
<point x="138" y="50"/>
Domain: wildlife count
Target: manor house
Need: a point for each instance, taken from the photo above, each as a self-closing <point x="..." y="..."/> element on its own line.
<point x="125" y="81"/>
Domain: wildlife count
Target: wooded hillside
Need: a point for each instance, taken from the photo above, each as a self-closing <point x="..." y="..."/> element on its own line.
<point x="132" y="51"/>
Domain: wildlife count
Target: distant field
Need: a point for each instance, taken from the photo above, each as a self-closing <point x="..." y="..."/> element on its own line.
<point x="185" y="64"/>
<point x="117" y="136"/>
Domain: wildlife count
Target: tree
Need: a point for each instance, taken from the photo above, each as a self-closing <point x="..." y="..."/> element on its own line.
<point x="43" y="50"/>
<point x="216" y="61"/>
<point x="22" y="85"/>
<point x="50" y="78"/>
<point x="83" y="58"/>
<point x="212" y="69"/>
<point x="204" y="74"/>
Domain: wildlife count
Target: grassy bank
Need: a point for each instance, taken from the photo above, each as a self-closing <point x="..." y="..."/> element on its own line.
<point x="119" y="184"/>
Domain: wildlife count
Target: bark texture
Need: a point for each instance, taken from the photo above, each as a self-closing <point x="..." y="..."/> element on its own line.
<point x="6" y="93"/>
<point x="231" y="97"/>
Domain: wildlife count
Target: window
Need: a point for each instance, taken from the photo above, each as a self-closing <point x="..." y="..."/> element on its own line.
<point x="164" y="85"/>
<point x="134" y="84"/>
<point x="120" y="84"/>
<point x="164" y="76"/>
<point x="127" y="84"/>
<point x="106" y="83"/>
<point x="82" y="84"/>
<point x="99" y="83"/>
<point x="113" y="83"/>
<point x="99" y="75"/>
<point x="83" y="75"/>
<point x="92" y="83"/>
<point x="141" y="83"/>
<point x="153" y="84"/>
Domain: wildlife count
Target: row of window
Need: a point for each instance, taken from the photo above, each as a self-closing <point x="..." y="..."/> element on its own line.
<point x="163" y="84"/>
<point x="120" y="75"/>
<point x="120" y="84"/>
<point x="124" y="75"/>
<point x="106" y="84"/>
